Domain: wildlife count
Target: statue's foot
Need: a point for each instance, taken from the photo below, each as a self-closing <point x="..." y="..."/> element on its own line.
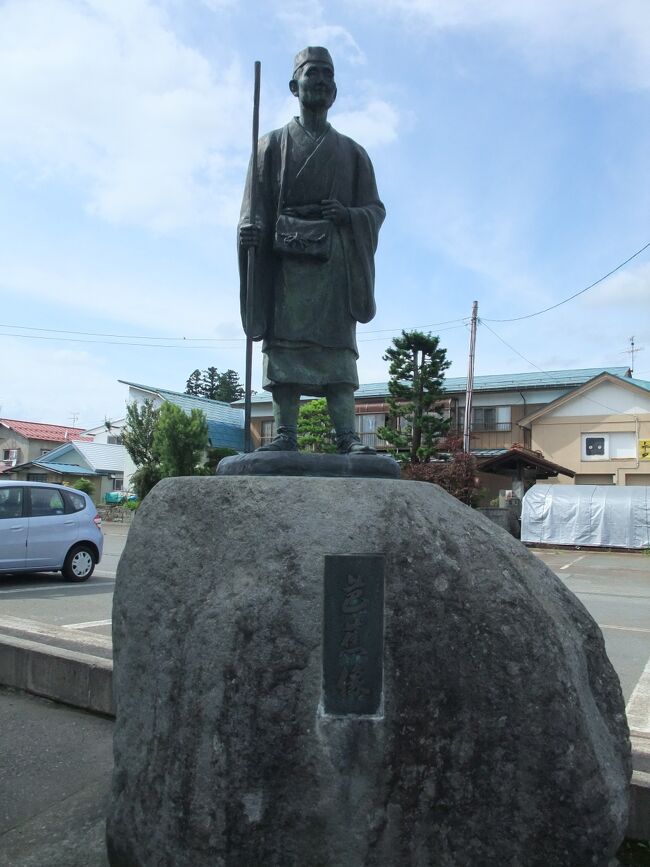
<point x="350" y="444"/>
<point x="280" y="443"/>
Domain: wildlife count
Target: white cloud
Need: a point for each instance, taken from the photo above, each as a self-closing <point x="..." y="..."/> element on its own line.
<point x="607" y="43"/>
<point x="629" y="288"/>
<point x="305" y="20"/>
<point x="145" y="304"/>
<point x="373" y="125"/>
<point x="104" y="93"/>
<point x="49" y="385"/>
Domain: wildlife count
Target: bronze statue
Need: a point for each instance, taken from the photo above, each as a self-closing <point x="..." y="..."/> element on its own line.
<point x="315" y="231"/>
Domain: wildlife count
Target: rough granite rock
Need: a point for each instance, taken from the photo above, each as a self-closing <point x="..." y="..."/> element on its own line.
<point x="503" y="741"/>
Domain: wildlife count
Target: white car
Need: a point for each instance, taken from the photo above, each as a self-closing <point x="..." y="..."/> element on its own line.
<point x="48" y="528"/>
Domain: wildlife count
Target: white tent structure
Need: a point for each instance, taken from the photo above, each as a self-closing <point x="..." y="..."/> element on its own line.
<point x="602" y="516"/>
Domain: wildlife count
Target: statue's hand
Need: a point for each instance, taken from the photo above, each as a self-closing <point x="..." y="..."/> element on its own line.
<point x="336" y="212"/>
<point x="250" y="235"/>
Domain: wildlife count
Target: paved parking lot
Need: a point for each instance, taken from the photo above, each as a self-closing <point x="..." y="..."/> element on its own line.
<point x="615" y="589"/>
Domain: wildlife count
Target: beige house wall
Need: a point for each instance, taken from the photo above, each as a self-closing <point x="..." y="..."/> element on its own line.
<point x="559" y="438"/>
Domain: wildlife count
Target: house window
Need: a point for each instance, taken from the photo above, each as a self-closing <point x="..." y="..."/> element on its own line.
<point x="268" y="431"/>
<point x="36" y="477"/>
<point x="615" y="445"/>
<point x="367" y="426"/>
<point x="10" y="455"/>
<point x="487" y="418"/>
<point x="118" y="484"/>
<point x="595" y="447"/>
<point x="114" y="440"/>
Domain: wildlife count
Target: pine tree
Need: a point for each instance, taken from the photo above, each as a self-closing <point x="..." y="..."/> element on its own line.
<point x="229" y="388"/>
<point x="210" y="381"/>
<point x="194" y="383"/>
<point x="417" y="366"/>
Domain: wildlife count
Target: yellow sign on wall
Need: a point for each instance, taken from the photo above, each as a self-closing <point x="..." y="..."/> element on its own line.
<point x="644" y="450"/>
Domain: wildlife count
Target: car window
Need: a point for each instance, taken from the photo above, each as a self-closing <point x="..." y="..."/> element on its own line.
<point x="46" y="501"/>
<point x="76" y="503"/>
<point x="11" y="502"/>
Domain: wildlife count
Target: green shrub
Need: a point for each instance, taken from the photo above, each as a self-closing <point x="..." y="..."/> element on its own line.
<point x="85" y="486"/>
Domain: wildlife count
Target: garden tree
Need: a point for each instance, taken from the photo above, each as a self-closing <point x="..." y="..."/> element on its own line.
<point x="180" y="440"/>
<point x="138" y="439"/>
<point x="456" y="472"/>
<point x="417" y="369"/>
<point x="194" y="383"/>
<point x="315" y="429"/>
<point x="84" y="485"/>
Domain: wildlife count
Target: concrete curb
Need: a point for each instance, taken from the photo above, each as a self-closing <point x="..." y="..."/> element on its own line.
<point x="85" y="681"/>
<point x="67" y="676"/>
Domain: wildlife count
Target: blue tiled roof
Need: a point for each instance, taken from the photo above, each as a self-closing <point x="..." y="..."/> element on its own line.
<point x="640" y="383"/>
<point x="225" y="423"/>
<point x="73" y="469"/>
<point x="227" y="436"/>
<point x="495" y="382"/>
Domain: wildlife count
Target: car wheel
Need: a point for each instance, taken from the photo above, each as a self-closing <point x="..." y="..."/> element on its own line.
<point x="79" y="563"/>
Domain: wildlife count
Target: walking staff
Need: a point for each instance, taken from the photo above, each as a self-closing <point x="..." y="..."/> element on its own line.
<point x="250" y="282"/>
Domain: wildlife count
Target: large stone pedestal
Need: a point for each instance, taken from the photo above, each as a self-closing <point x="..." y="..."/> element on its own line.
<point x="499" y="736"/>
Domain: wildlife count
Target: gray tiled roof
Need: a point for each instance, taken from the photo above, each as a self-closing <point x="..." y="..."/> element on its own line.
<point x="494" y="382"/>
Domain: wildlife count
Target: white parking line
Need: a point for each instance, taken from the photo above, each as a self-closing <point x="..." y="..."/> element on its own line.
<point x="72" y="586"/>
<point x="87" y="625"/>
<point x="624" y="628"/>
<point x="638" y="707"/>
<point x="577" y="559"/>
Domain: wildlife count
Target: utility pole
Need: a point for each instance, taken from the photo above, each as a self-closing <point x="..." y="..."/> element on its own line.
<point x="467" y="426"/>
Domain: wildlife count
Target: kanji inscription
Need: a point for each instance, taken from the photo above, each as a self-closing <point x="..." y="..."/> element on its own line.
<point x="353" y="634"/>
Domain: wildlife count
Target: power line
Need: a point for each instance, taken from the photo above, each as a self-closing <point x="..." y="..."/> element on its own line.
<point x="104" y="334"/>
<point x="575" y="294"/>
<point x="183" y="341"/>
<point x="114" y="342"/>
<point x="545" y="372"/>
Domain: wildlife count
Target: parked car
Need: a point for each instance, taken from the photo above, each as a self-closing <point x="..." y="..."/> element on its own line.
<point x="48" y="528"/>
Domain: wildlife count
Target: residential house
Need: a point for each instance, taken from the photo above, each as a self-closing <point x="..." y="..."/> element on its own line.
<point x="225" y="422"/>
<point x="25" y="441"/>
<point x="100" y="463"/>
<point x="109" y="432"/>
<point x="500" y="403"/>
<point x="600" y="429"/>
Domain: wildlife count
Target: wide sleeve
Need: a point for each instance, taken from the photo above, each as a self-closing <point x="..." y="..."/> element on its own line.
<point x="255" y="324"/>
<point x="366" y="216"/>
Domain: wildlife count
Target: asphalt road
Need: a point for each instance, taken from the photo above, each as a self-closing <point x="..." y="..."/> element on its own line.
<point x="614" y="587"/>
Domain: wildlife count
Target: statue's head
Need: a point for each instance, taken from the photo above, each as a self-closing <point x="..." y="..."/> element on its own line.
<point x="313" y="78"/>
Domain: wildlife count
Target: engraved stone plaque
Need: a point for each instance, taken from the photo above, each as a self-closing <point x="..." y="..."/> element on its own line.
<point x="353" y="634"/>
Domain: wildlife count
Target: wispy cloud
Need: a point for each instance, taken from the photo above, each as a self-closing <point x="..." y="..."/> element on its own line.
<point x="605" y="43"/>
<point x="105" y="95"/>
<point x="308" y="24"/>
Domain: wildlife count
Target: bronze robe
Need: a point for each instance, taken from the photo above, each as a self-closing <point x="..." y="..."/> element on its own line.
<point x="305" y="310"/>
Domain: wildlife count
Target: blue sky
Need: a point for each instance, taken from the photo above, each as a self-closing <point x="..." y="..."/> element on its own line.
<point x="510" y="141"/>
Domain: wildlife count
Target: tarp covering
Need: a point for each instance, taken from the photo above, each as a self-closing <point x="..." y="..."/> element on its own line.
<point x="587" y="515"/>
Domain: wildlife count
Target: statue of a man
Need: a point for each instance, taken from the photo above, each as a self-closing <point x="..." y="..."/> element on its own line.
<point x="315" y="230"/>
